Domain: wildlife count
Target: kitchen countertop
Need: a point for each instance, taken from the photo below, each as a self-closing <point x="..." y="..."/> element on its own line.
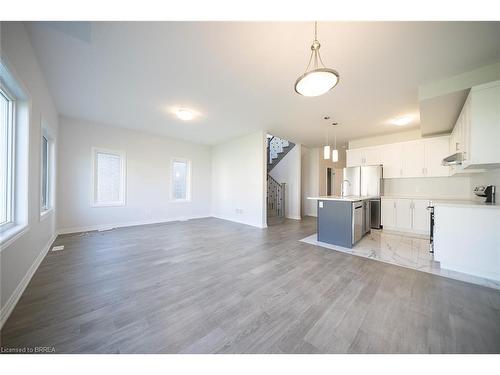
<point x="464" y="203"/>
<point x="448" y="201"/>
<point x="347" y="198"/>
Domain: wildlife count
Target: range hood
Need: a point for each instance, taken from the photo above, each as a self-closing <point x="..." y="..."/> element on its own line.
<point x="455" y="159"/>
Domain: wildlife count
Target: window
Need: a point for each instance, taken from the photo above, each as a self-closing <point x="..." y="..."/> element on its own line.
<point x="108" y="178"/>
<point x="14" y="160"/>
<point x="47" y="171"/>
<point x="6" y="161"/>
<point x="181" y="180"/>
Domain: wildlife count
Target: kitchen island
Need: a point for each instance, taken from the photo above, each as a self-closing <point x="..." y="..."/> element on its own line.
<point x="343" y="220"/>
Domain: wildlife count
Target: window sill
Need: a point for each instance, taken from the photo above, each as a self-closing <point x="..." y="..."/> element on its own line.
<point x="46" y="213"/>
<point x="12" y="234"/>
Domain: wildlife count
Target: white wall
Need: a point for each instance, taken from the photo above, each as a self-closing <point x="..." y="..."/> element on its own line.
<point x="239" y="180"/>
<point x="20" y="258"/>
<point x="310" y="180"/>
<point x="288" y="171"/>
<point x="431" y="187"/>
<point x="148" y="159"/>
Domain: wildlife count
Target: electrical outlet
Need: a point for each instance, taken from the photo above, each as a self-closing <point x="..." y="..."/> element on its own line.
<point x="239" y="210"/>
<point x="320" y="204"/>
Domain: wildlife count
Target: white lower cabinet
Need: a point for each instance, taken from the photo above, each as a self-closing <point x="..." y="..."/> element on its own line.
<point x="406" y="215"/>
<point x="388" y="212"/>
<point x="421" y="216"/>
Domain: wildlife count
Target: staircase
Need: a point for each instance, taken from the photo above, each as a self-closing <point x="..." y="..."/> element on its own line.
<point x="277" y="148"/>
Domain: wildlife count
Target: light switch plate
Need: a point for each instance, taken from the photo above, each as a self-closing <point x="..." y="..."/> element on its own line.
<point x="320" y="204"/>
<point x="58" y="248"/>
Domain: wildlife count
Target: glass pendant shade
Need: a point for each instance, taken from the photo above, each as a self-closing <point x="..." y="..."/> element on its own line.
<point x="319" y="79"/>
<point x="326" y="152"/>
<point x="335" y="155"/>
<point x="316" y="82"/>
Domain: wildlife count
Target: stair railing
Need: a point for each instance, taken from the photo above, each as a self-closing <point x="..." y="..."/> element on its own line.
<point x="275" y="145"/>
<point x="275" y="197"/>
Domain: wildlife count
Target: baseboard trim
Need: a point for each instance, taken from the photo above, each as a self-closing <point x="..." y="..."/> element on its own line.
<point x="126" y="224"/>
<point x="18" y="292"/>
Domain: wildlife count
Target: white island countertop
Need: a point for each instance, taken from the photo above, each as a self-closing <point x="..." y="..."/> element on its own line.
<point x="347" y="198"/>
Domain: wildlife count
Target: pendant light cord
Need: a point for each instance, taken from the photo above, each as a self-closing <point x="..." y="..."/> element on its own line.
<point x="315" y="51"/>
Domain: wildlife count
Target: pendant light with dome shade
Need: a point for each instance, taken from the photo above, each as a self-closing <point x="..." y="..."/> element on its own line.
<point x="320" y="79"/>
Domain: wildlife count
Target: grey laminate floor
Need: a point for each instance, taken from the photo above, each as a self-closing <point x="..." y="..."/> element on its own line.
<point x="212" y="286"/>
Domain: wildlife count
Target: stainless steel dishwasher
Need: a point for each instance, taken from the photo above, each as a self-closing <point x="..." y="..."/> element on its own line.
<point x="357" y="221"/>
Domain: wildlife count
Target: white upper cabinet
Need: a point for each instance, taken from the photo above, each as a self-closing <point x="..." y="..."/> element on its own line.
<point x="477" y="131"/>
<point x="483" y="126"/>
<point x="363" y="156"/>
<point x="419" y="158"/>
<point x="353" y="158"/>
<point x="391" y="160"/>
<point x="371" y="156"/>
<point x="413" y="159"/>
<point x="435" y="150"/>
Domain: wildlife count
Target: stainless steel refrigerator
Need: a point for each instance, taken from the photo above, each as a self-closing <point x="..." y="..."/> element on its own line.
<point x="365" y="181"/>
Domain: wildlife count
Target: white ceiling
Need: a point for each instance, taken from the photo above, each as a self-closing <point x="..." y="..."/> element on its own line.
<point x="239" y="75"/>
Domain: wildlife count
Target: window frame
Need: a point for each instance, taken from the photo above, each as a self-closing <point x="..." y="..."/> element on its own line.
<point x="188" y="179"/>
<point x="11" y="163"/>
<point x="45" y="133"/>
<point x="123" y="170"/>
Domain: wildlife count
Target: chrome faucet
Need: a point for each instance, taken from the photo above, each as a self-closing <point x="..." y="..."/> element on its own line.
<point x="342" y="186"/>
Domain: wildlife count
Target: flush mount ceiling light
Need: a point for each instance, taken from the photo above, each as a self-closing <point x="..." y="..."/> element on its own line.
<point x="320" y="79"/>
<point x="184" y="114"/>
<point x="402" y="121"/>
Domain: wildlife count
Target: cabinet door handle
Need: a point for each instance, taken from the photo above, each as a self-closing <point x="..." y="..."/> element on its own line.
<point x="456" y="146"/>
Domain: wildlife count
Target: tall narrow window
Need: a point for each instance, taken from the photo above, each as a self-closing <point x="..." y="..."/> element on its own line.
<point x="181" y="180"/>
<point x="6" y="160"/>
<point x="47" y="168"/>
<point x="109" y="178"/>
<point x="45" y="173"/>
